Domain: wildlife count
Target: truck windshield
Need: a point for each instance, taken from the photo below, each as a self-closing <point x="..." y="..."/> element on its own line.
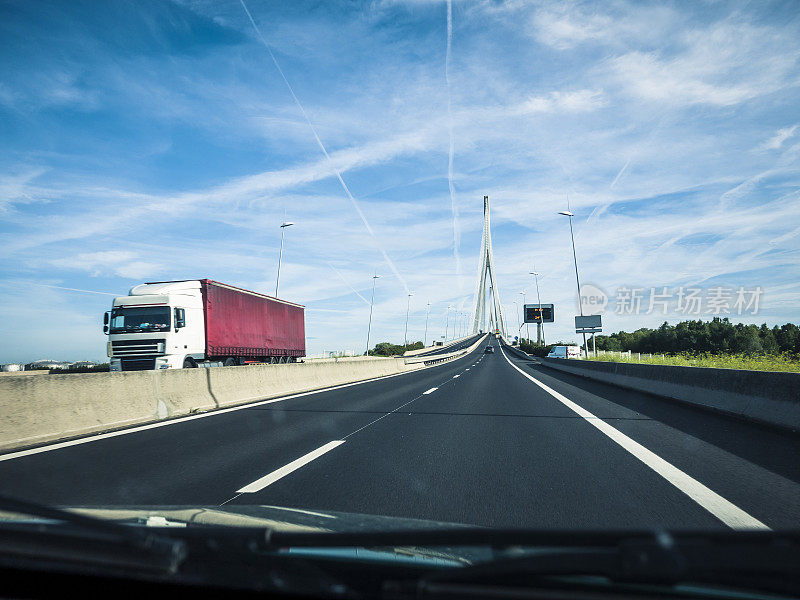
<point x="134" y="319"/>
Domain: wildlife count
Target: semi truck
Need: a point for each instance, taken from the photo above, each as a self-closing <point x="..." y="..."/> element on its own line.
<point x="200" y="322"/>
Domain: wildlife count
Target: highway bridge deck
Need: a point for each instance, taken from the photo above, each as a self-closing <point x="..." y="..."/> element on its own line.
<point x="488" y="439"/>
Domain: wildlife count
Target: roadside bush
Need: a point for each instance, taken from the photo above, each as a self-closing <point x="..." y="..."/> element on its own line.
<point x="718" y="336"/>
<point x="389" y="349"/>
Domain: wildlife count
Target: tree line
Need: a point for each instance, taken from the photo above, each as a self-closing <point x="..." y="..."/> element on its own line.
<point x="389" y="349"/>
<point x="718" y="336"/>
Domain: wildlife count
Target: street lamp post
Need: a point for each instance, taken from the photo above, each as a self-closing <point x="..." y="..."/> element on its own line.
<point x="567" y="213"/>
<point x="447" y="322"/>
<point x="527" y="326"/>
<point x="280" y="255"/>
<point x="540" y="324"/>
<point x="516" y="311"/>
<point x="371" y="302"/>
<point x="427" y="314"/>
<point x="408" y="307"/>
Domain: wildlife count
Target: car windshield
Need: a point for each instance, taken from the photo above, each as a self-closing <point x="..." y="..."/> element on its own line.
<point x="140" y="318"/>
<point x="415" y="264"/>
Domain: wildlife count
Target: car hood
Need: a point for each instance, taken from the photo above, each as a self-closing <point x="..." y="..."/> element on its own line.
<point x="284" y="519"/>
<point x="277" y="518"/>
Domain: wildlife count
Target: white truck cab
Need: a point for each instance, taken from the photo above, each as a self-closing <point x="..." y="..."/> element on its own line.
<point x="564" y="352"/>
<point x="156" y="326"/>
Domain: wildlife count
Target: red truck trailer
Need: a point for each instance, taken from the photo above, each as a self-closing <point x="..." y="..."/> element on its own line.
<point x="179" y="324"/>
<point x="247" y="324"/>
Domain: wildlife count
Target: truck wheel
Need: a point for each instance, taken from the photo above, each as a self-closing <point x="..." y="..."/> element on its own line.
<point x="230" y="362"/>
<point x="188" y="363"/>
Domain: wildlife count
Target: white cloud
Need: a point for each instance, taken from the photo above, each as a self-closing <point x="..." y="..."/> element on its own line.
<point x="14" y="188"/>
<point x="724" y="64"/>
<point x="118" y="262"/>
<point x="561" y="102"/>
<point x="777" y="140"/>
<point x="567" y="25"/>
<point x="648" y="77"/>
<point x="562" y="30"/>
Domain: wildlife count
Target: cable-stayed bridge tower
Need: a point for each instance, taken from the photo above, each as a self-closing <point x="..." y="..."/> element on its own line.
<point x="487" y="285"/>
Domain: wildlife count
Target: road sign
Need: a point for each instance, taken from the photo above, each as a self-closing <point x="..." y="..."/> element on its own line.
<point x="532" y="313"/>
<point x="588" y="324"/>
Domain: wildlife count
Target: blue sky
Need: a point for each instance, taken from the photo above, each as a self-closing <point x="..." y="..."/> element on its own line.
<point x="156" y="140"/>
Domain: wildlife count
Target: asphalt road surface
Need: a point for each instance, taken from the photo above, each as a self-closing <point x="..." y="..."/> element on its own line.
<point x="488" y="439"/>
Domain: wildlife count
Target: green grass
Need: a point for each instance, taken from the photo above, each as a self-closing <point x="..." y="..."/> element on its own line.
<point x="768" y="362"/>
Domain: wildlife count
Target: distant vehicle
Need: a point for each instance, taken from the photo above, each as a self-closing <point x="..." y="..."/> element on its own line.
<point x="489" y="350"/>
<point x="564" y="352"/>
<point x="438" y="343"/>
<point x="185" y="324"/>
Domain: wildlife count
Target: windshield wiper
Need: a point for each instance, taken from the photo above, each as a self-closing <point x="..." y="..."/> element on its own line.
<point x="744" y="559"/>
<point x="83" y="539"/>
<point x="761" y="561"/>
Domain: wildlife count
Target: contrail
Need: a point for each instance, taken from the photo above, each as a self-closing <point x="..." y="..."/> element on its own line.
<point x="647" y="139"/>
<point x="451" y="152"/>
<point x="621" y="171"/>
<point x="599" y="210"/>
<point x="324" y="151"/>
<point x="60" y="287"/>
<point x="348" y="283"/>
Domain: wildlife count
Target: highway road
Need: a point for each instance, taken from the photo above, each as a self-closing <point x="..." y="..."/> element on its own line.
<point x="488" y="439"/>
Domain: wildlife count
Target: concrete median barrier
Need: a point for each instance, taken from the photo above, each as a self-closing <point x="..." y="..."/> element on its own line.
<point x="766" y="397"/>
<point x="517" y="352"/>
<point x="239" y="385"/>
<point x="36" y="409"/>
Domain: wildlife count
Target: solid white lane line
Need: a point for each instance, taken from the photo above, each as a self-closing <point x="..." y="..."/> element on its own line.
<point x="724" y="510"/>
<point x="430" y="391"/>
<point x="261" y="483"/>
